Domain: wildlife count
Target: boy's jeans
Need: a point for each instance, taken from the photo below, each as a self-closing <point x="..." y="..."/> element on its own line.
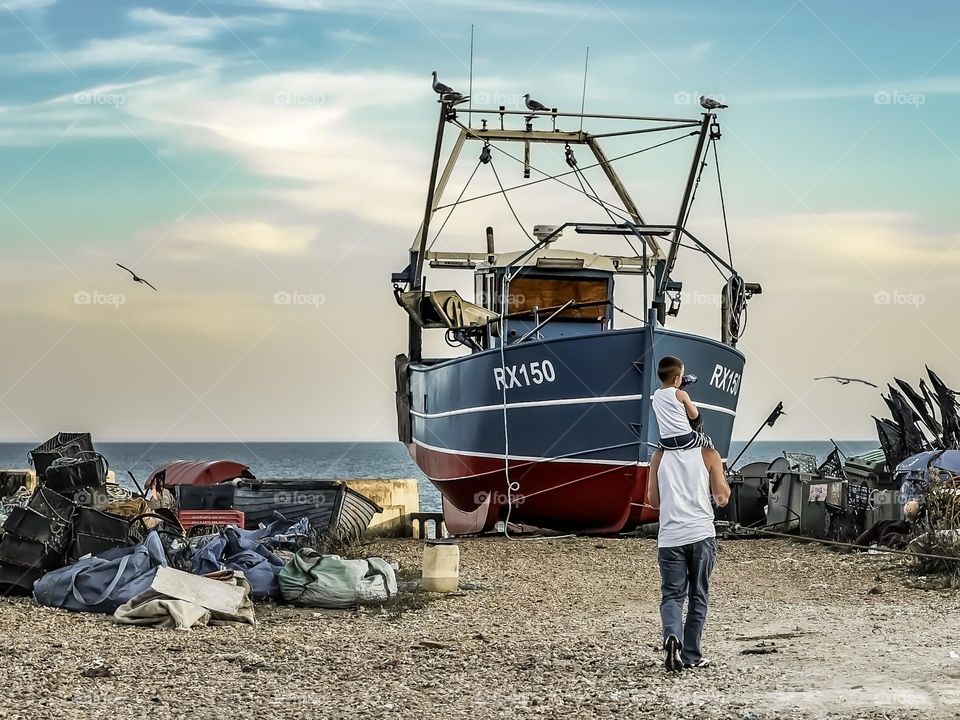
<point x="685" y="574"/>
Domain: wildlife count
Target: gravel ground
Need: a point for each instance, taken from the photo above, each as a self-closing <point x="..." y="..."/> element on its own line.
<point x="565" y="628"/>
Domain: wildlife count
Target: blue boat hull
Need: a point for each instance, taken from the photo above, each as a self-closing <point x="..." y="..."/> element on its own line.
<point x="577" y="433"/>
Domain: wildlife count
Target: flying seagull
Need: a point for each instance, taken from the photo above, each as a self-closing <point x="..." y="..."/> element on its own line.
<point x="845" y="380"/>
<point x="136" y="278"/>
<point x="533" y="104"/>
<point x="711" y="104"/>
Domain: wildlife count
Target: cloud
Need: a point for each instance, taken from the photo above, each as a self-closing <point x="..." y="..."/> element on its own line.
<point x="320" y="145"/>
<point x="192" y="27"/>
<point x="521" y="7"/>
<point x="942" y="85"/>
<point x="308" y="129"/>
<point x="168" y="39"/>
<point x="210" y="235"/>
<point x="28" y="5"/>
<point x="351" y="36"/>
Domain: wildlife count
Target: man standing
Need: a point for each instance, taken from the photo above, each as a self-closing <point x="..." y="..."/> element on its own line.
<point x="686" y="546"/>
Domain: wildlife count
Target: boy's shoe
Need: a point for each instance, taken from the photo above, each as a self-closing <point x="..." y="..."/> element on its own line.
<point x="704" y="662"/>
<point x="672" y="662"/>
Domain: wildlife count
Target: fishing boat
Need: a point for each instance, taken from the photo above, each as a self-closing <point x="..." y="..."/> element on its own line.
<point x="544" y="417"/>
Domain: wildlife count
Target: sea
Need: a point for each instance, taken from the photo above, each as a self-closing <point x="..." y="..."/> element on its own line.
<point x="323" y="460"/>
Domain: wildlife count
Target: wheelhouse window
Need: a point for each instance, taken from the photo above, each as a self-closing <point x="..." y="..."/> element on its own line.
<point x="526" y="293"/>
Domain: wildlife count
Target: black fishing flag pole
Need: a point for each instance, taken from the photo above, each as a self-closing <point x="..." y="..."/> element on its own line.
<point x="770" y="421"/>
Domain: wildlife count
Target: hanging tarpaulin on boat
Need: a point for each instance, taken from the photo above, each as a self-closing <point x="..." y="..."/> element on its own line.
<point x="443" y="309"/>
<point x="401" y="365"/>
<point x="188" y="472"/>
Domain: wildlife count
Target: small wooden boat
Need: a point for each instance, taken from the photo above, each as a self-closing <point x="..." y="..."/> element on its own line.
<point x="332" y="507"/>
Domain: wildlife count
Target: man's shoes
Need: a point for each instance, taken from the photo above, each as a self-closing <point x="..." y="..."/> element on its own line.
<point x="671" y="647"/>
<point x="702" y="663"/>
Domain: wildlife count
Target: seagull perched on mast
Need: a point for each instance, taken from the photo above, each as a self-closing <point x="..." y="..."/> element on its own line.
<point x="533" y="105"/>
<point x="445" y="91"/>
<point x="710" y="104"/>
<point x="438" y="87"/>
<point x="845" y="380"/>
<point x="136" y="278"/>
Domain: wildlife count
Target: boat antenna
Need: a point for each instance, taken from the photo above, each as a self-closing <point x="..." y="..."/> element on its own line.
<point x="470" y="90"/>
<point x="583" y="97"/>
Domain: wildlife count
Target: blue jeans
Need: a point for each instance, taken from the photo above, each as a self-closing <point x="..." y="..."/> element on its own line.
<point x="685" y="575"/>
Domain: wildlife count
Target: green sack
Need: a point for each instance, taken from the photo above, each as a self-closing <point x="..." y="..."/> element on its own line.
<point x="328" y="581"/>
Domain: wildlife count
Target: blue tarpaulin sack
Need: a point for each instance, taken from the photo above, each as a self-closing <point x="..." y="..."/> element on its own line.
<point x="104" y="582"/>
<point x="246" y="550"/>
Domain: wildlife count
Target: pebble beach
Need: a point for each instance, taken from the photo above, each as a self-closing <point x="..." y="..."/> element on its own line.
<point x="561" y="628"/>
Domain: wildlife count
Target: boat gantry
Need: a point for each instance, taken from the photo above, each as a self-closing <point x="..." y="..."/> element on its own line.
<point x="545" y="420"/>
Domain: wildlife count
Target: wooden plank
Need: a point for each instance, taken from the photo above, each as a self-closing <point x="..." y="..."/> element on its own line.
<point x="211" y="594"/>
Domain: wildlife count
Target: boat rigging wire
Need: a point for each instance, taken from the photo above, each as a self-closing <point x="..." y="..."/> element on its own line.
<point x="511" y="485"/>
<point x="454" y="206"/>
<point x="582" y="178"/>
<point x="628" y="314"/>
<point x="723" y="205"/>
<point x="510" y="204"/>
<point x="548" y="176"/>
<point x="575" y="171"/>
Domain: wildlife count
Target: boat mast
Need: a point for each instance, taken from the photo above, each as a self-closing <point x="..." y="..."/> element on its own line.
<point x="664" y="268"/>
<point x="416" y="262"/>
<point x="417" y="279"/>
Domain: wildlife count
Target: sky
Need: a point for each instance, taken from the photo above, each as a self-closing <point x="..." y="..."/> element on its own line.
<point x="264" y="163"/>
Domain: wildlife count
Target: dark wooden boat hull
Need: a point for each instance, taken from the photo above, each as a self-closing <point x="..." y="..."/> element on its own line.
<point x="331" y="506"/>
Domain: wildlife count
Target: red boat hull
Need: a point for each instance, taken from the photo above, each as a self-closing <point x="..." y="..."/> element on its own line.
<point x="586" y="497"/>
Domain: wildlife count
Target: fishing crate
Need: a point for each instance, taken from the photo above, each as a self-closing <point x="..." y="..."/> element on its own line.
<point x="72" y="474"/>
<point x="31" y="525"/>
<point x="59" y="446"/>
<point x="18" y="579"/>
<point x="206" y="497"/>
<point x="190" y="519"/>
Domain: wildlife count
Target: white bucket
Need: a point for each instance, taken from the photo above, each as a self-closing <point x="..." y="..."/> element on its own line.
<point x="441" y="567"/>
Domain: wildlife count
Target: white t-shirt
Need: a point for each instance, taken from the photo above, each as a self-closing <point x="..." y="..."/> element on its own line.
<point x="671" y="414"/>
<point x="686" y="515"/>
